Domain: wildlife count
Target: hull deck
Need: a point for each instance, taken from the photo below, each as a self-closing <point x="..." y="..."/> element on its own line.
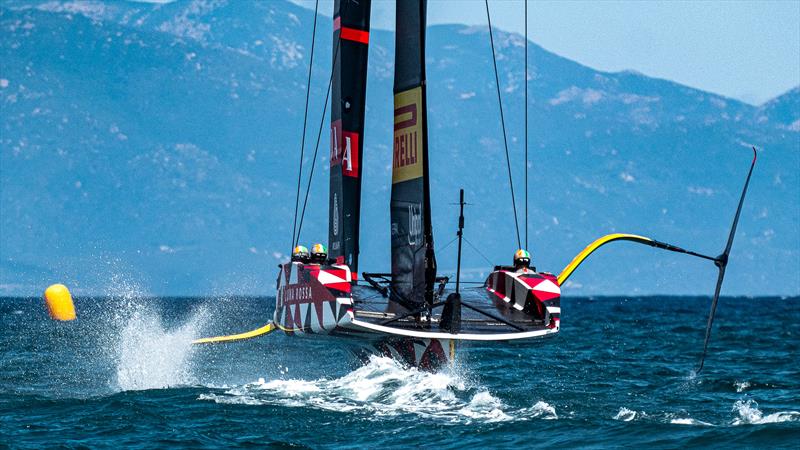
<point x="326" y="301"/>
<point x="374" y="311"/>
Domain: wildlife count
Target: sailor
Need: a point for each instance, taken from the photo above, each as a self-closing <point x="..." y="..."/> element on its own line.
<point x="300" y="254"/>
<point x="319" y="254"/>
<point x="522" y="261"/>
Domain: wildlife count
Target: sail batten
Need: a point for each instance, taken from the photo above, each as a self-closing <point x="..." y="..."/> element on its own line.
<point x="413" y="260"/>
<point x="349" y="88"/>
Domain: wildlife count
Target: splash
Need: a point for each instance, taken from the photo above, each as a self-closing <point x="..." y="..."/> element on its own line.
<point x="146" y="353"/>
<point x="152" y="357"/>
<point x="741" y="386"/>
<point x="384" y="388"/>
<point x="750" y="414"/>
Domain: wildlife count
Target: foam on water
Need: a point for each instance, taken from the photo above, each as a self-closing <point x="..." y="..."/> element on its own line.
<point x="382" y="388"/>
<point x="627" y="415"/>
<point x="484" y="406"/>
<point x="690" y="421"/>
<point x="750" y="414"/>
<point x="541" y="410"/>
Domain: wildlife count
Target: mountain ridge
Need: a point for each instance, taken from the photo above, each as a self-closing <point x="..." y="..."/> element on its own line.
<point x="169" y="154"/>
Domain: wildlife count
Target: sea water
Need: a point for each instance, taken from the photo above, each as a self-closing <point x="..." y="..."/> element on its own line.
<point x="620" y="374"/>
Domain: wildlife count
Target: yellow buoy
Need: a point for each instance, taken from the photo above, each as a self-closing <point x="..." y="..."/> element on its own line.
<point x="59" y="302"/>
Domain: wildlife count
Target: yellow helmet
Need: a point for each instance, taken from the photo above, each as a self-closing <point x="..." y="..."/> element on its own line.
<point x="319" y="254"/>
<point x="522" y="258"/>
<point x="300" y="253"/>
<point x="319" y="249"/>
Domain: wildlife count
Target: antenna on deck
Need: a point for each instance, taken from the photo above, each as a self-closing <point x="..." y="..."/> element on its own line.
<point x="451" y="313"/>
<point x="460" y="235"/>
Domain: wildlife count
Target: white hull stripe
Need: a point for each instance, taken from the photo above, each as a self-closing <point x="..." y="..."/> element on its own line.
<point x="462" y="337"/>
<point x="495" y="292"/>
<point x="328" y="278"/>
<point x="547" y="286"/>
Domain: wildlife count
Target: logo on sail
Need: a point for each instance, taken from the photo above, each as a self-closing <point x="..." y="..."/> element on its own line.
<point x="408" y="152"/>
<point x="414" y="223"/>
<point x="344" y="149"/>
<point x="335" y="217"/>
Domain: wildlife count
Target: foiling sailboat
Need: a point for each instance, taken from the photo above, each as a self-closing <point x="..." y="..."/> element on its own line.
<point x="412" y="314"/>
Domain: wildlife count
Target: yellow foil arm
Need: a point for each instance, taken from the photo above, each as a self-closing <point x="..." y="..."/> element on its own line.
<point x="266" y="329"/>
<point x="562" y="277"/>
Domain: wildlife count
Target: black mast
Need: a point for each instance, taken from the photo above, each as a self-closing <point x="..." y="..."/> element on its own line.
<point x="413" y="258"/>
<point x="351" y="39"/>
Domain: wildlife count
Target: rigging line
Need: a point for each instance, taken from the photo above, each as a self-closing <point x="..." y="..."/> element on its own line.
<point x="319" y="133"/>
<point x="479" y="252"/>
<point x="441" y="249"/>
<point x="526" y="124"/>
<point x="503" y="123"/>
<point x="305" y="123"/>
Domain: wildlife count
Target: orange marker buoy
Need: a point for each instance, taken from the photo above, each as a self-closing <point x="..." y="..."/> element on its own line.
<point x="59" y="302"/>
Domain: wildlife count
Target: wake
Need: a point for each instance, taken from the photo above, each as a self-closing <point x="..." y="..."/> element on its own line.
<point x="385" y="388"/>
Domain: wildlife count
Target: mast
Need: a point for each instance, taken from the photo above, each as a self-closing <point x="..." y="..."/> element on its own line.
<point x="349" y="89"/>
<point x="413" y="258"/>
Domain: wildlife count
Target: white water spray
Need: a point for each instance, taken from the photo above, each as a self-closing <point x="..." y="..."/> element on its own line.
<point x="385" y="388"/>
<point x="152" y="357"/>
<point x="750" y="414"/>
<point x="147" y="354"/>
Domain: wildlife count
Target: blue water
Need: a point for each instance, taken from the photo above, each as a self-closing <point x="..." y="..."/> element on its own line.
<point x="620" y="374"/>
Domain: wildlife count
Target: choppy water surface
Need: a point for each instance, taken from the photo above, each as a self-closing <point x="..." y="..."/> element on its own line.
<point x="620" y="374"/>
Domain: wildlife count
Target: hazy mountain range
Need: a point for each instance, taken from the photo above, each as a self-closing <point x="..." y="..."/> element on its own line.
<point x="157" y="146"/>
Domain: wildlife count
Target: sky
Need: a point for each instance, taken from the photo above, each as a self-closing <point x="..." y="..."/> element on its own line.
<point x="747" y="50"/>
